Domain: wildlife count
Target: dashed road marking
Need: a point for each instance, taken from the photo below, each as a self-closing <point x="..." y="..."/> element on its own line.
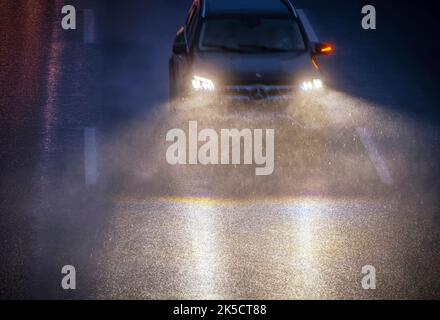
<point x="90" y="157"/>
<point x="364" y="135"/>
<point x="89" y="34"/>
<point x="375" y="157"/>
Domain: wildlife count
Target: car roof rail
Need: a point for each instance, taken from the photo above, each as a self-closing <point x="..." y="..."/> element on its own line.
<point x="289" y="4"/>
<point x="203" y="6"/>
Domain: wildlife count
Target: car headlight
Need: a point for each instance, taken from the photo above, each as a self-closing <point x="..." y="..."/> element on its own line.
<point x="202" y="84"/>
<point x="314" y="84"/>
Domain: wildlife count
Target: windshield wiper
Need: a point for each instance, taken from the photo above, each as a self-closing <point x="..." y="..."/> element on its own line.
<point x="223" y="48"/>
<point x="263" y="48"/>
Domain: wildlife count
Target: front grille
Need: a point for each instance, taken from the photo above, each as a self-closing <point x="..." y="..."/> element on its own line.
<point x="258" y="92"/>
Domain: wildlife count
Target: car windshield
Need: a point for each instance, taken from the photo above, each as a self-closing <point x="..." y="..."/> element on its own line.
<point x="251" y="34"/>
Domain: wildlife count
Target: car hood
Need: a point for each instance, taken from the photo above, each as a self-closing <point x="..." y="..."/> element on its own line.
<point x="247" y="69"/>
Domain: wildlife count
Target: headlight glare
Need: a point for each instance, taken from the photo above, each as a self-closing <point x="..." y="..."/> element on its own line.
<point x="202" y="84"/>
<point x="314" y="84"/>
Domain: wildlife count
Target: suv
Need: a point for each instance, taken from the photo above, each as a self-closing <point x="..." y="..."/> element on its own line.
<point x="245" y="50"/>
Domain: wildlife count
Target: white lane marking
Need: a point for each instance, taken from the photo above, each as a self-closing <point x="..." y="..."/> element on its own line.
<point x="89" y="26"/>
<point x="375" y="157"/>
<point x="90" y="156"/>
<point x="307" y="26"/>
<point x="364" y="135"/>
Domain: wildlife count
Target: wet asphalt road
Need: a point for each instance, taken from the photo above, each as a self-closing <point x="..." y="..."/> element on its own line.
<point x="355" y="180"/>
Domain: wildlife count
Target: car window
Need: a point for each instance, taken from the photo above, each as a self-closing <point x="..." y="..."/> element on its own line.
<point x="252" y="34"/>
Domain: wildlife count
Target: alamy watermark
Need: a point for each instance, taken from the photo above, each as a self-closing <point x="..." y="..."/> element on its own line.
<point x="68" y="282"/>
<point x="369" y="20"/>
<point x="69" y="19"/>
<point x="369" y="278"/>
<point x="218" y="147"/>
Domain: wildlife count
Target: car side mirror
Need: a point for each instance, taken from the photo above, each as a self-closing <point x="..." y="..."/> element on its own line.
<point x="180" y="45"/>
<point x="321" y="48"/>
